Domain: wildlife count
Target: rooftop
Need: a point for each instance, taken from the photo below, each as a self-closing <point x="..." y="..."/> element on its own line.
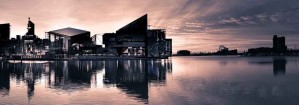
<point x="68" y="31"/>
<point x="4" y="24"/>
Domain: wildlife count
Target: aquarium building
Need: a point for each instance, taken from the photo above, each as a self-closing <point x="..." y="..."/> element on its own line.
<point x="135" y="39"/>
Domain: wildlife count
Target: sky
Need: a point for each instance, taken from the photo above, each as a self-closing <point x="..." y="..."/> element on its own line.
<point x="195" y="25"/>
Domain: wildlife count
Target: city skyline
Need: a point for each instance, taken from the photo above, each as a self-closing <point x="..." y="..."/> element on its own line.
<point x="132" y="40"/>
<point x="195" y="25"/>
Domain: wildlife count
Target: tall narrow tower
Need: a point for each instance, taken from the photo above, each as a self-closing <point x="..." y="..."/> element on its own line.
<point x="30" y="27"/>
<point x="29" y="38"/>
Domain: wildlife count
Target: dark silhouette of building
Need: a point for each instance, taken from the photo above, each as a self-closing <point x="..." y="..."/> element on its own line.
<point x="135" y="39"/>
<point x="158" y="44"/>
<point x="168" y="47"/>
<point x="30" y="27"/>
<point x="29" y="39"/>
<point x="4" y="32"/>
<point x="260" y="50"/>
<point x="30" y="35"/>
<point x="279" y="48"/>
<point x="76" y="35"/>
<point x="183" y="52"/>
<point x="225" y="51"/>
<point x="68" y="40"/>
<point x="18" y="37"/>
<point x="4" y="38"/>
<point x="279" y="45"/>
<point x="8" y="46"/>
<point x="130" y="37"/>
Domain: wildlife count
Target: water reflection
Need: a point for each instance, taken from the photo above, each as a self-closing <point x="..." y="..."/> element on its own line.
<point x="4" y="82"/>
<point x="71" y="76"/>
<point x="132" y="77"/>
<point x="279" y="65"/>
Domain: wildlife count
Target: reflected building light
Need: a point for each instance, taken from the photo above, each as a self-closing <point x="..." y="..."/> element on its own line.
<point x="65" y="71"/>
<point x="93" y="80"/>
<point x="130" y="76"/>
<point x="47" y="68"/>
<point x="133" y="76"/>
<point x="279" y="66"/>
<point x="52" y="78"/>
<point x="4" y="80"/>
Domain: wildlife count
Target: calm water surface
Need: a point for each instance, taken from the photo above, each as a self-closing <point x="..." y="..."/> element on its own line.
<point x="175" y="81"/>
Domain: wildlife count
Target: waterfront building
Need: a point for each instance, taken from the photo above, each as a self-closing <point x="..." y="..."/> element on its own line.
<point x="222" y="50"/>
<point x="67" y="41"/>
<point x="4" y="37"/>
<point x="30" y="39"/>
<point x="135" y="39"/>
<point x="183" y="52"/>
<point x="279" y="45"/>
<point x="279" y="48"/>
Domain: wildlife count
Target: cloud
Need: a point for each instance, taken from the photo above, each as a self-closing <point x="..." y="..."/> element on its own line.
<point x="231" y="22"/>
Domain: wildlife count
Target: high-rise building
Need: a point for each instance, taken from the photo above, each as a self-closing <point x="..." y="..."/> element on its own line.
<point x="30" y="27"/>
<point x="279" y="44"/>
<point x="30" y="38"/>
<point x="4" y="37"/>
<point x="4" y="32"/>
